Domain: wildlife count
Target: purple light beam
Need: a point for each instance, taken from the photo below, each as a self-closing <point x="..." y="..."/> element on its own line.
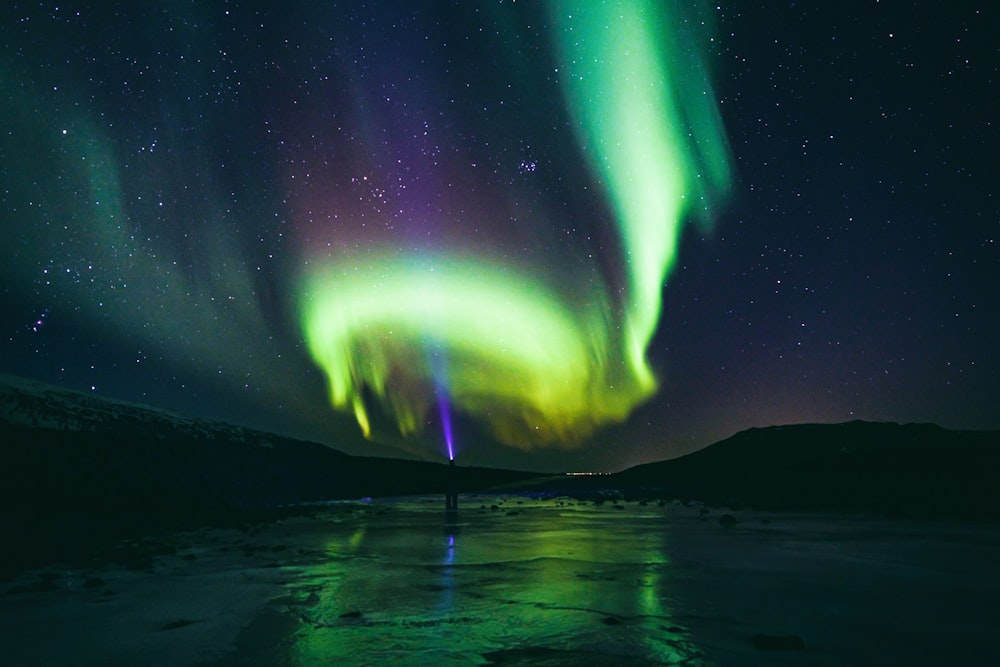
<point x="446" y="424"/>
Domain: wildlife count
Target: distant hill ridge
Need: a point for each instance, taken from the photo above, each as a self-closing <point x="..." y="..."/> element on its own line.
<point x="78" y="471"/>
<point x="32" y="404"/>
<point x="896" y="469"/>
<point x="63" y="449"/>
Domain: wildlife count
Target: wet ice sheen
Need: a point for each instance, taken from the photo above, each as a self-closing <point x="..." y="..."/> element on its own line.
<point x="533" y="583"/>
<point x="547" y="584"/>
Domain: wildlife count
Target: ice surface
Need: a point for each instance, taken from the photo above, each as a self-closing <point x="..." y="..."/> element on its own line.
<point x="547" y="582"/>
<point x="434" y="590"/>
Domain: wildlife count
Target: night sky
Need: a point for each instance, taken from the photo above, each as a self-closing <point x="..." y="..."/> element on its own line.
<point x="587" y="234"/>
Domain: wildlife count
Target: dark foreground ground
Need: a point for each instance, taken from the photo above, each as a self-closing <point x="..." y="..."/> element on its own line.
<point x="516" y="581"/>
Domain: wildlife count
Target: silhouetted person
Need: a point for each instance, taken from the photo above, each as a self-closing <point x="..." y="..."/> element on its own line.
<point x="451" y="488"/>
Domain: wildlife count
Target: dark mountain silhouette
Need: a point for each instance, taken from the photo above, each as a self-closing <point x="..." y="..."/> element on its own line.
<point x="77" y="467"/>
<point x="79" y="470"/>
<point x="893" y="469"/>
<point x="898" y="470"/>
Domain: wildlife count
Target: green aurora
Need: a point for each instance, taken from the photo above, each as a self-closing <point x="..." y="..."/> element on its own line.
<point x="534" y="364"/>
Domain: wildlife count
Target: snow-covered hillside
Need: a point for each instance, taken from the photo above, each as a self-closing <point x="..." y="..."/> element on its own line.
<point x="32" y="404"/>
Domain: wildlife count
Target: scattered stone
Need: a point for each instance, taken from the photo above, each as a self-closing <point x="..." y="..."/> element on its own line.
<point x="735" y="504"/>
<point x="727" y="520"/>
<point x="46" y="582"/>
<point x="179" y="623"/>
<point x="778" y="643"/>
<point x="351" y="614"/>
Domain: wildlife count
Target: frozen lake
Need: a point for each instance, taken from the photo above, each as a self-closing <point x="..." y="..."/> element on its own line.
<point x="533" y="582"/>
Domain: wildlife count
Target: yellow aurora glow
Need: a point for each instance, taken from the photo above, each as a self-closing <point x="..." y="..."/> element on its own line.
<point x="510" y="348"/>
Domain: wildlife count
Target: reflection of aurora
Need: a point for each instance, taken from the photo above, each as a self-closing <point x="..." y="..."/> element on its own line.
<point x="538" y="355"/>
<point x="550" y="577"/>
